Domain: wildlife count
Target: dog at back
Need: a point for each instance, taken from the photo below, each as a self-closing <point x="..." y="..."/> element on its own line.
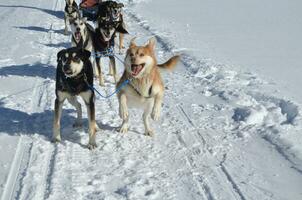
<point x="104" y="43"/>
<point x="71" y="12"/>
<point x="82" y="36"/>
<point x="115" y="14"/>
<point x="73" y="78"/>
<point x="145" y="89"/>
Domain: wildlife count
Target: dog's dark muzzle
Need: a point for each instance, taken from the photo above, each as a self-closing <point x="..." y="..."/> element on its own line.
<point x="67" y="69"/>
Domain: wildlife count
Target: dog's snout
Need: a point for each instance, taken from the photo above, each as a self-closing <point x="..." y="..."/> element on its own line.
<point x="133" y="59"/>
<point x="66" y="67"/>
<point x="78" y="29"/>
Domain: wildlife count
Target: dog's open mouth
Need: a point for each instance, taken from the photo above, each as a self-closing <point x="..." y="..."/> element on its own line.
<point x="136" y="69"/>
<point x="68" y="72"/>
<point x="77" y="36"/>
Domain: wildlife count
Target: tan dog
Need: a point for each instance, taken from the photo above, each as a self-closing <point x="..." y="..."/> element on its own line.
<point x="146" y="88"/>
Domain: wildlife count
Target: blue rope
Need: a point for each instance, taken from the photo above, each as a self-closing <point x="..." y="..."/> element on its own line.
<point x="116" y="91"/>
<point x="108" y="52"/>
<point x="127" y="81"/>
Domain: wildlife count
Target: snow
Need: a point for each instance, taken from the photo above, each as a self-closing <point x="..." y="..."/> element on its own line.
<point x="230" y="125"/>
<point x="258" y="36"/>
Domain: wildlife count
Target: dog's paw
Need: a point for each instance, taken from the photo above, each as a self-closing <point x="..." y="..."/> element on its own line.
<point x="92" y="146"/>
<point x="155" y="114"/>
<point x="121" y="51"/>
<point x="149" y="133"/>
<point x="56" y="140"/>
<point x="124" y="128"/>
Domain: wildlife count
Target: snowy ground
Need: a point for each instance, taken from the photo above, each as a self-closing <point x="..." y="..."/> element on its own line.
<point x="225" y="132"/>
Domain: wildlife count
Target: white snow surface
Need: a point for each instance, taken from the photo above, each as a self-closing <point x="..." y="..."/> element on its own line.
<point x="230" y="125"/>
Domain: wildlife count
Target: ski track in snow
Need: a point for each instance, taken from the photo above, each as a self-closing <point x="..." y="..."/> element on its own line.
<point x="187" y="158"/>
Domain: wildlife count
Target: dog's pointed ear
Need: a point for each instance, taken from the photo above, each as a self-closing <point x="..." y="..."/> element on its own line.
<point x="60" y="54"/>
<point x="86" y="54"/>
<point x="132" y="43"/>
<point x="121" y="28"/>
<point x="151" y="43"/>
<point x="84" y="19"/>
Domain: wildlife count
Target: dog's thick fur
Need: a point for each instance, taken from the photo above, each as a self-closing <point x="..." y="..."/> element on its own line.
<point x="146" y="88"/>
<point x="112" y="11"/>
<point x="74" y="71"/>
<point x="83" y="36"/>
<point x="71" y="12"/>
<point x="103" y="40"/>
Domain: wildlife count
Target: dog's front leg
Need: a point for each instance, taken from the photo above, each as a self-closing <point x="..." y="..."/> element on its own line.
<point x="146" y="116"/>
<point x="99" y="69"/>
<point x="56" y="137"/>
<point x="93" y="61"/>
<point x="66" y="28"/>
<point x="121" y="42"/>
<point x="88" y="98"/>
<point x="123" y="111"/>
<point x="157" y="106"/>
<point x="112" y="68"/>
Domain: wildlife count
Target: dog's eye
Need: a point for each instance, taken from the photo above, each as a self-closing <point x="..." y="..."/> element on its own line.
<point x="81" y="23"/>
<point x="141" y="55"/>
<point x="131" y="54"/>
<point x="77" y="59"/>
<point x="75" y="23"/>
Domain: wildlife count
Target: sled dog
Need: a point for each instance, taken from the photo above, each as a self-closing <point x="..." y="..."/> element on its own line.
<point x="112" y="11"/>
<point x="82" y="36"/>
<point x="74" y="73"/>
<point x="71" y="11"/>
<point x="104" y="45"/>
<point x="146" y="88"/>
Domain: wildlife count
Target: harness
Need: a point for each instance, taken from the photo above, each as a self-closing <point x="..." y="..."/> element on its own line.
<point x="66" y="83"/>
<point x="106" y="53"/>
<point x="74" y="8"/>
<point x="103" y="48"/>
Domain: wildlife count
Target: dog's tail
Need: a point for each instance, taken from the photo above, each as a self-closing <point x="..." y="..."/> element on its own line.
<point x="170" y="64"/>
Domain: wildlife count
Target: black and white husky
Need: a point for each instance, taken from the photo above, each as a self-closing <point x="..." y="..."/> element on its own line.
<point x="71" y="12"/>
<point x="112" y="11"/>
<point x="73" y="78"/>
<point x="104" y="42"/>
<point x="82" y="36"/>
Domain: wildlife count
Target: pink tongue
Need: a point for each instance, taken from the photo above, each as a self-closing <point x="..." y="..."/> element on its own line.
<point x="137" y="70"/>
<point x="78" y="36"/>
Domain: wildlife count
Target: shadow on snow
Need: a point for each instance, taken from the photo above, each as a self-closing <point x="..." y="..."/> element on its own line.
<point x="40" y="29"/>
<point x="35" y="70"/>
<point x="58" y="14"/>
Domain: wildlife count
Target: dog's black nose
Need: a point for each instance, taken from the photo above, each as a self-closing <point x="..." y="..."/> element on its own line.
<point x="78" y="29"/>
<point x="66" y="67"/>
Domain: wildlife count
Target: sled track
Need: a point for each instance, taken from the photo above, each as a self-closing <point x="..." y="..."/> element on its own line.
<point x="19" y="181"/>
